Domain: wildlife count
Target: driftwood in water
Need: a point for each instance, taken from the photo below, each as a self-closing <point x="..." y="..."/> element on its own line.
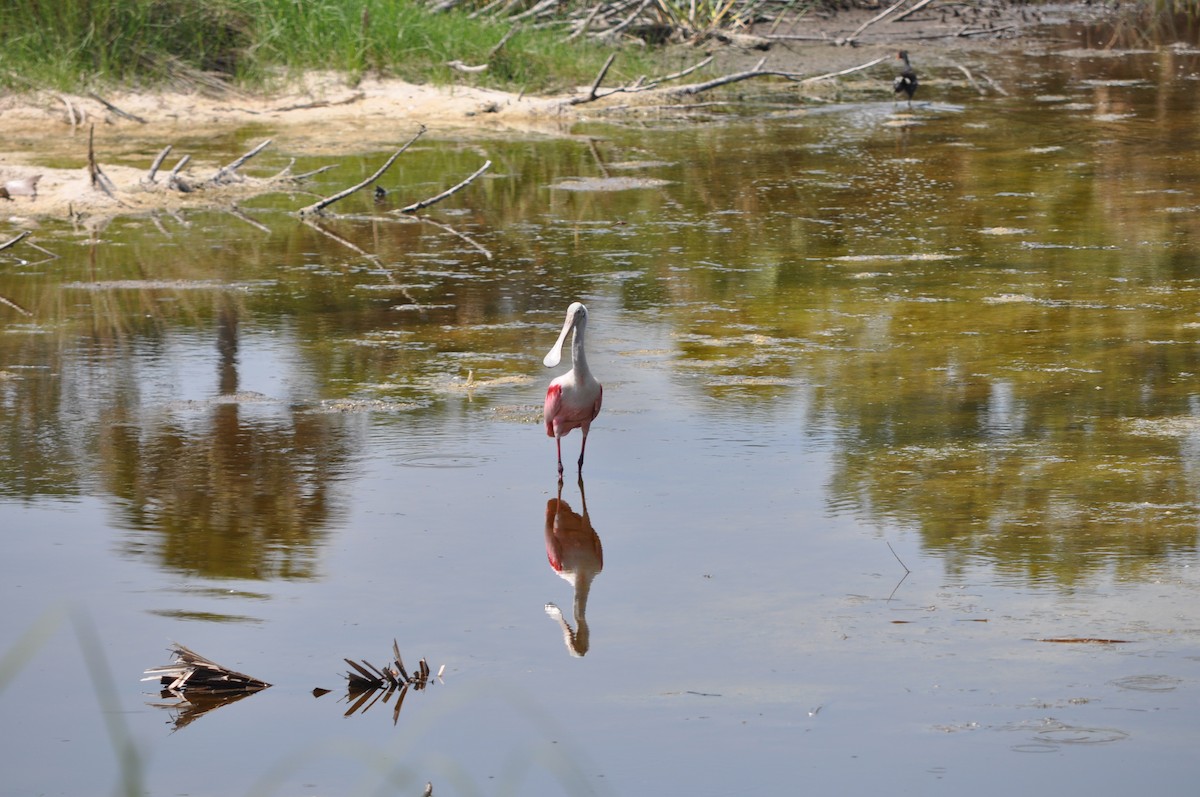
<point x="192" y="672"/>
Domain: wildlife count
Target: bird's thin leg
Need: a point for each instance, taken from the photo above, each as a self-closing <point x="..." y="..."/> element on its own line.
<point x="558" y="443"/>
<point x="582" y="448"/>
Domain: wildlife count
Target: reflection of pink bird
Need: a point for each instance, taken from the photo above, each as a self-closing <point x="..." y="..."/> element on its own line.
<point x="574" y="550"/>
<point x="573" y="400"/>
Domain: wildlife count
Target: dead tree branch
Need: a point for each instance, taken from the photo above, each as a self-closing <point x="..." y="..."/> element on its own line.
<point x="424" y="203"/>
<point x="115" y="109"/>
<point x="852" y="69"/>
<point x="913" y="10"/>
<point x="98" y="177"/>
<point x="14" y="241"/>
<point x="149" y="179"/>
<point x="317" y="207"/>
<point x="881" y="15"/>
<point x="229" y="172"/>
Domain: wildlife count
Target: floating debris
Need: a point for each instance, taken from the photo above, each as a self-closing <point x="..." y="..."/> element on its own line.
<point x="191" y="671"/>
<point x="195" y="685"/>
<point x="367" y="684"/>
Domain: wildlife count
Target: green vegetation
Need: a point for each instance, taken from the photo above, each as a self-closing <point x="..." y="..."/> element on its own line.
<point x="525" y="44"/>
<point x="70" y="44"/>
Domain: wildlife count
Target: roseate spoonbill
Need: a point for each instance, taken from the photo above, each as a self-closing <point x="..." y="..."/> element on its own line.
<point x="573" y="399"/>
<point x="906" y="81"/>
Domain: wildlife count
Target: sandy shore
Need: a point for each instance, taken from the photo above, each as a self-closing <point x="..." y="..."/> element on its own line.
<point x="324" y="114"/>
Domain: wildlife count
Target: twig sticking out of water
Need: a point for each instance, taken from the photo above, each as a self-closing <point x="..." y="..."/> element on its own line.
<point x="424" y="203"/>
<point x="907" y="572"/>
<point x="149" y="179"/>
<point x="229" y="172"/>
<point x="14" y="241"/>
<point x="99" y="178"/>
<point x="317" y="207"/>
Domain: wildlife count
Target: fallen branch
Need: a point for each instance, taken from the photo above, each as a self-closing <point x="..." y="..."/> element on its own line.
<point x="858" y="68"/>
<point x="15" y="241"/>
<point x="177" y="182"/>
<point x="461" y="67"/>
<point x="317" y="207"/>
<point x="70" y="112"/>
<point x="882" y="14"/>
<point x="636" y="86"/>
<point x="115" y="109"/>
<point x="433" y="200"/>
<point x="591" y="95"/>
<point x="226" y="173"/>
<point x="320" y="103"/>
<point x="757" y="71"/>
<point x="582" y="27"/>
<point x="913" y="10"/>
<point x="149" y="179"/>
<point x="99" y="178"/>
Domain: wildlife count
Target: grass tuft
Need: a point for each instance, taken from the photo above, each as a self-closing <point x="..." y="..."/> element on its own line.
<point x="78" y="44"/>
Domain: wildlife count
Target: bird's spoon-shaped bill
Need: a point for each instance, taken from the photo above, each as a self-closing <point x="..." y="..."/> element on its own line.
<point x="555" y="354"/>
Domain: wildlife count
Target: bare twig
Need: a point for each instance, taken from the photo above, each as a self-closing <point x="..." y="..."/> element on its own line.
<point x="582" y="27"/>
<point x="850" y="39"/>
<point x="317" y="207"/>
<point x="226" y="173"/>
<point x="99" y="178"/>
<point x="432" y="200"/>
<point x="321" y="103"/>
<point x="757" y="71"/>
<point x="150" y="177"/>
<point x="591" y="95"/>
<point x="115" y="109"/>
<point x="70" y="111"/>
<point x="893" y="550"/>
<point x="913" y="10"/>
<point x="14" y="241"/>
<point x="858" y="68"/>
<point x="461" y="67"/>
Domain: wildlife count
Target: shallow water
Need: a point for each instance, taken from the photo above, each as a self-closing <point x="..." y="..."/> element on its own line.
<point x="895" y="485"/>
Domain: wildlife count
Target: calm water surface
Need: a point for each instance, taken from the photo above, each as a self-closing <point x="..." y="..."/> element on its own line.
<point x="895" y="487"/>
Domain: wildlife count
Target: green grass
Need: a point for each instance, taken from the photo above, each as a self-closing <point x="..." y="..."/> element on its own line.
<point x="77" y="44"/>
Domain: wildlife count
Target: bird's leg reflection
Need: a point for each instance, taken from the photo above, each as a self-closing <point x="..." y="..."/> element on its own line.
<point x="573" y="548"/>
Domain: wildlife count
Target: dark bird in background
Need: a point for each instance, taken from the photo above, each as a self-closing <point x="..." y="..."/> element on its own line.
<point x="906" y="81"/>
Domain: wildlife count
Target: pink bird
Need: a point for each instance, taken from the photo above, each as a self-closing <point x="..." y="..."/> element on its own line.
<point x="573" y="399"/>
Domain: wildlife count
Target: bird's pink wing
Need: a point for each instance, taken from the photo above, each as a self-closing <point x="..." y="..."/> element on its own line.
<point x="552" y="407"/>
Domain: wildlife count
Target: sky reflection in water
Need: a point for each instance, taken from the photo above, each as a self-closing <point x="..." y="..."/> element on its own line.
<point x="834" y="350"/>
